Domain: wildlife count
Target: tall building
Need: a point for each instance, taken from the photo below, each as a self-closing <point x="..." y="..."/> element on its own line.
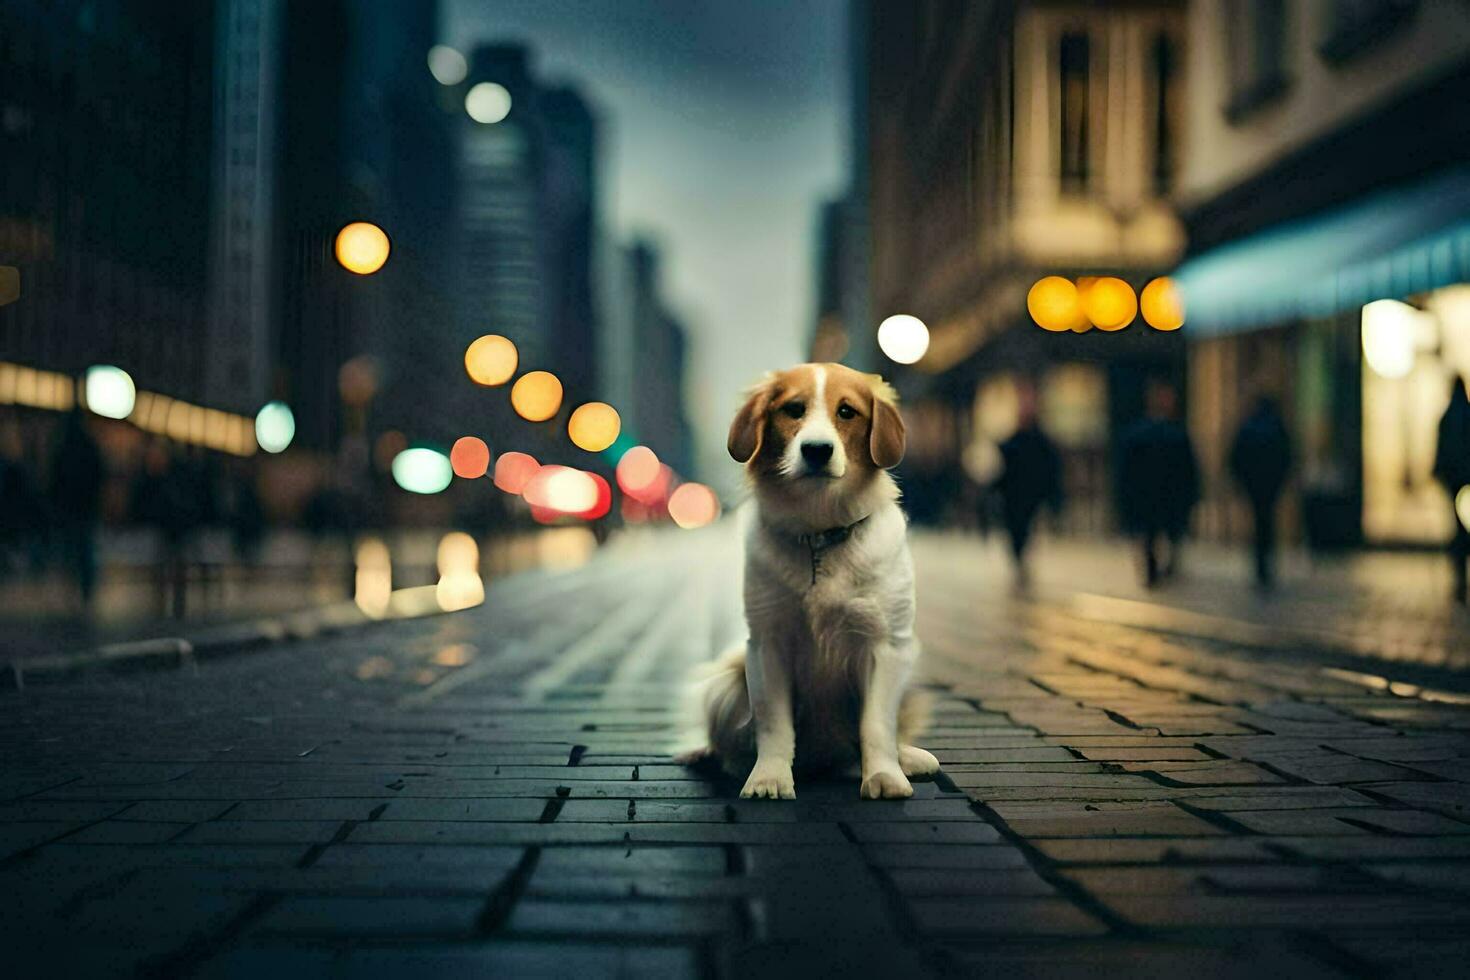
<point x="646" y="371"/>
<point x="105" y="147"/>
<point x="527" y="232"/>
<point x="1325" y="170"/>
<point x="1009" y="141"/>
<point x="242" y="213"/>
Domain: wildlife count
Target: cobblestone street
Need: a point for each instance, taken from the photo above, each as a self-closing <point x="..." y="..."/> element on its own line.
<point x="1127" y="788"/>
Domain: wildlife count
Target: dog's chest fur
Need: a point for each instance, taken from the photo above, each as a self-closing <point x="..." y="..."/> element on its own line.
<point x="862" y="588"/>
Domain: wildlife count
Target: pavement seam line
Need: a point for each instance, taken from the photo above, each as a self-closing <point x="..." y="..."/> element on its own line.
<point x="501" y="902"/>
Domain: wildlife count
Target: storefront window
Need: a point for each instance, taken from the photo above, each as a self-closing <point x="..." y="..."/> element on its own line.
<point x="1407" y="372"/>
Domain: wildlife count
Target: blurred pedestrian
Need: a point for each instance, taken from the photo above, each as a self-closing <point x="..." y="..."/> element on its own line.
<point x="1260" y="459"/>
<point x="1158" y="482"/>
<point x="76" y="496"/>
<point x="22" y="509"/>
<point x="1031" y="475"/>
<point x="166" y="497"/>
<point x="1452" y="468"/>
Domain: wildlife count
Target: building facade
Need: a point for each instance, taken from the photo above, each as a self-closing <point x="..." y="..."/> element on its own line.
<point x="1006" y="142"/>
<point x="1325" y="170"/>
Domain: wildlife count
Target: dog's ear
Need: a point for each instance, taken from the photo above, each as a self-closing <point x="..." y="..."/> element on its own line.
<point x="749" y="426"/>
<point x="886" y="440"/>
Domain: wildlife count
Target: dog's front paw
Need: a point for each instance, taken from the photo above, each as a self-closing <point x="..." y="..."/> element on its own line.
<point x="886" y="785"/>
<point x="769" y="782"/>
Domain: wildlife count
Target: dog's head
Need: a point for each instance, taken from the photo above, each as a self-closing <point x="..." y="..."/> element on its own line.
<point x="818" y="430"/>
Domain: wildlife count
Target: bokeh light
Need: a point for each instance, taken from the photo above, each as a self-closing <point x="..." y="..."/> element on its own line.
<point x="536" y="396"/>
<point x="109" y="391"/>
<point x="1109" y="303"/>
<point x="604" y="500"/>
<point x="275" y="426"/>
<point x="422" y="470"/>
<point x="374" y="579"/>
<point x="1054" y="305"/>
<point x="460" y="585"/>
<point x="1388" y="337"/>
<point x="487" y="103"/>
<point x="903" y="338"/>
<point x="362" y="247"/>
<point x="638" y="469"/>
<point x="693" y="505"/>
<point x="491" y="360"/>
<point x="1162" y="306"/>
<point x="1462" y="507"/>
<point x="594" y="426"/>
<point x="562" y="489"/>
<point x="357" y="380"/>
<point x="469" y="457"/>
<point x="514" y="470"/>
<point x="447" y="65"/>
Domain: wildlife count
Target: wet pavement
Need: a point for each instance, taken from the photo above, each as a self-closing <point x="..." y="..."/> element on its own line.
<point x="1148" y="784"/>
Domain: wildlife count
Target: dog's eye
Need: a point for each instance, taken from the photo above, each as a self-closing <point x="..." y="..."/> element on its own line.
<point x="794" y="410"/>
<point x="846" y="411"/>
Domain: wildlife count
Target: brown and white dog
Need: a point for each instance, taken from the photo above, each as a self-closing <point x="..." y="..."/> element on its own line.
<point x="829" y="593"/>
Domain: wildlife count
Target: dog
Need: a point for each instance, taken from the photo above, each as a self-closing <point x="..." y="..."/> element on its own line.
<point x="823" y="682"/>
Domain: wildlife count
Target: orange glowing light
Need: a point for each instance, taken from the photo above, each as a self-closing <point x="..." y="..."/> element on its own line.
<point x="362" y="247"/>
<point x="594" y="426"/>
<point x="1163" y="307"/>
<point x="491" y="360"/>
<point x="470" y="457"/>
<point x="638" y="469"/>
<point x="514" y="470"/>
<point x="1109" y="303"/>
<point x="536" y="396"/>
<point x="1054" y="304"/>
<point x="693" y="505"/>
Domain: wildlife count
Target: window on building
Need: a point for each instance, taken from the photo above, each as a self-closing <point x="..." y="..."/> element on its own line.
<point x="1353" y="26"/>
<point x="1164" y="64"/>
<point x="1255" y="53"/>
<point x="1073" y="61"/>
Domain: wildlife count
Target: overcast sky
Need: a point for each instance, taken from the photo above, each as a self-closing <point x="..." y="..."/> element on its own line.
<point x="724" y="127"/>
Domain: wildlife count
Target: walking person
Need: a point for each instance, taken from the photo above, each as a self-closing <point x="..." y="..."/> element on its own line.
<point x="1031" y="475"/>
<point x="1260" y="459"/>
<point x="76" y="495"/>
<point x="1158" y="483"/>
<point x="1452" y="468"/>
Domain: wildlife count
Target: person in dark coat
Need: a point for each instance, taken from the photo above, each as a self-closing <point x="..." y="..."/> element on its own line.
<point x="1158" y="482"/>
<point x="76" y="495"/>
<point x="1031" y="476"/>
<point x="1260" y="459"/>
<point x="1452" y="468"/>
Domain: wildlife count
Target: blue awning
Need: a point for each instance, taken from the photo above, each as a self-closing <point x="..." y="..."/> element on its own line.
<point x="1384" y="246"/>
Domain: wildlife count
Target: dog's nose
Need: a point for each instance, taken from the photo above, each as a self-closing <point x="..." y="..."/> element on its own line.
<point x="816" y="454"/>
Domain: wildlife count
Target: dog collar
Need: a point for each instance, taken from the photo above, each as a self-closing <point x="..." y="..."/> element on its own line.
<point x="817" y="542"/>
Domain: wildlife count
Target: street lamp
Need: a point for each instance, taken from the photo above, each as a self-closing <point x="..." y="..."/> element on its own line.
<point x="362" y="247"/>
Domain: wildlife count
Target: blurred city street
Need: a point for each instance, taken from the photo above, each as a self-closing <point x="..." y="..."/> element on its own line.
<point x="1148" y="787"/>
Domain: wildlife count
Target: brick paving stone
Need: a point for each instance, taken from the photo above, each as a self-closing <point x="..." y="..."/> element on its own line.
<point x="1306" y="911"/>
<point x="938" y="882"/>
<point x="380" y="917"/>
<point x="965" y="916"/>
<point x="943" y="856"/>
<point x="1155" y="850"/>
<point x="1143" y="819"/>
<point x="623" y="918"/>
<point x="949" y="832"/>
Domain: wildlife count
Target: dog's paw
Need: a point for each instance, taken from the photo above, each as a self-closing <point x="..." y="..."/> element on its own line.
<point x="886" y="785"/>
<point x="916" y="762"/>
<point x="769" y="782"/>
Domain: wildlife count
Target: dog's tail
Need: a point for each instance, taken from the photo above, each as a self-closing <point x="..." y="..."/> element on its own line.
<point x="717" y="719"/>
